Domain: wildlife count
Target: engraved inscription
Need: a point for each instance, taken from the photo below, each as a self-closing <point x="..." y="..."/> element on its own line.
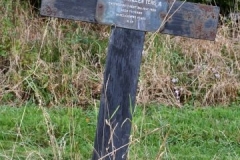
<point x="132" y="14"/>
<point x="134" y="11"/>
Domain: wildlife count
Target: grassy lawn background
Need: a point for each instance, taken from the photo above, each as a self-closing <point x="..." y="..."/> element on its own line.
<point x="58" y="62"/>
<point x="54" y="62"/>
<point x="32" y="132"/>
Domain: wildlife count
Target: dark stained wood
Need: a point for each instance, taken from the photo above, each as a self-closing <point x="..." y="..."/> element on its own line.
<point x="83" y="10"/>
<point x="191" y="20"/>
<point x="123" y="65"/>
<point x="118" y="93"/>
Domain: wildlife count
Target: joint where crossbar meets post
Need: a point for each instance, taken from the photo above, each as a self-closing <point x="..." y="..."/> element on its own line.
<point x="130" y="20"/>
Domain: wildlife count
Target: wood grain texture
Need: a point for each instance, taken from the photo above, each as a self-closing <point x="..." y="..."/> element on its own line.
<point x="118" y="93"/>
<point x="83" y="10"/>
<point x="191" y="20"/>
<point x="123" y="65"/>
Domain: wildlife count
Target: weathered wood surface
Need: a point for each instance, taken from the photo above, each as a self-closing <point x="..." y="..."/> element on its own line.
<point x="82" y="10"/>
<point x="189" y="19"/>
<point x="192" y="20"/>
<point x="138" y="15"/>
<point x="118" y="94"/>
<point x="123" y="65"/>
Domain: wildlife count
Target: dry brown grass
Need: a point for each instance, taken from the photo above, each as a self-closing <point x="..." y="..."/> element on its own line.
<point x="204" y="72"/>
<point x="59" y="62"/>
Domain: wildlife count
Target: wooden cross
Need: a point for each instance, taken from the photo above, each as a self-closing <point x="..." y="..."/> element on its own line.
<point x="130" y="19"/>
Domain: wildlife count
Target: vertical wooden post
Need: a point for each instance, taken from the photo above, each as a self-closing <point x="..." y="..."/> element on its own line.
<point x="125" y="52"/>
<point x="118" y="94"/>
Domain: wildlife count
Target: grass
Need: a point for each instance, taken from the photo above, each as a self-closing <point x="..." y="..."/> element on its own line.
<point x="27" y="134"/>
<point x="55" y="62"/>
<point x="158" y="132"/>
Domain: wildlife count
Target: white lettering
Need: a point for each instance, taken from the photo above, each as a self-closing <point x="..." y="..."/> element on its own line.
<point x="134" y="10"/>
<point x="152" y="2"/>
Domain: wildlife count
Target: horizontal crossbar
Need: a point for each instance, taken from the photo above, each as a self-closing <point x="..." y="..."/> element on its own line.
<point x="182" y="18"/>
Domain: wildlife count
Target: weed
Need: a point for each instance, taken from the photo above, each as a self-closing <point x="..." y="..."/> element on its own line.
<point x="158" y="132"/>
<point x="65" y="61"/>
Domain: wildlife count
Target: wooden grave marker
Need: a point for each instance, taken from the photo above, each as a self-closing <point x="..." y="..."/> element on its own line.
<point x="130" y="19"/>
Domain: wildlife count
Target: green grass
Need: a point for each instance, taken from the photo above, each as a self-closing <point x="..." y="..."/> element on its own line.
<point x="54" y="62"/>
<point x="32" y="132"/>
<point x="25" y="132"/>
<point x="204" y="133"/>
<point x="61" y="62"/>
